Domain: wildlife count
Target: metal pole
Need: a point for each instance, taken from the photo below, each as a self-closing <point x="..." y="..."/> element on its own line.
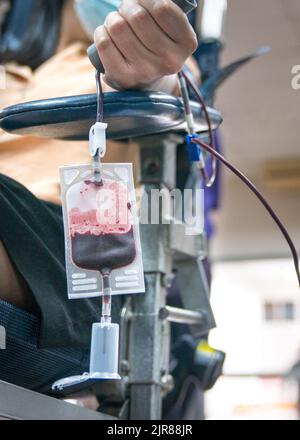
<point x="182" y="316"/>
<point x="147" y="350"/>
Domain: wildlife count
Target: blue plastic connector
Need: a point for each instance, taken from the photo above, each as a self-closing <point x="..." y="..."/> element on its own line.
<point x="194" y="150"/>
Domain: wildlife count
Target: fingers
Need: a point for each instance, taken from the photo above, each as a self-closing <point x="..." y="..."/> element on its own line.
<point x="144" y="41"/>
<point x="122" y="54"/>
<point x="125" y="39"/>
<point x="172" y="20"/>
<point x="112" y="59"/>
<point x="145" y="27"/>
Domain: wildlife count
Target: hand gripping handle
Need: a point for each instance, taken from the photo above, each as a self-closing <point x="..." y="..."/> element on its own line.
<point x="186" y="5"/>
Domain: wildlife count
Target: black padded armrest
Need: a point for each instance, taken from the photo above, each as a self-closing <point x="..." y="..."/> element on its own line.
<point x="128" y="114"/>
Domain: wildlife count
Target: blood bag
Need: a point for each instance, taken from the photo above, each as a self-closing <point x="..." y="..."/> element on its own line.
<point x="102" y="241"/>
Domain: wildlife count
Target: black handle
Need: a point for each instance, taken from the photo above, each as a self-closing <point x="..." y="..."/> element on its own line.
<point x="186" y="5"/>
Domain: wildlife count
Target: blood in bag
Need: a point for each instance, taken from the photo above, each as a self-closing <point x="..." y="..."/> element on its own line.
<point x="101" y="227"/>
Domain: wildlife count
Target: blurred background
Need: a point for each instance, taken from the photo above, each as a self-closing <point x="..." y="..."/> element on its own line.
<point x="254" y="295"/>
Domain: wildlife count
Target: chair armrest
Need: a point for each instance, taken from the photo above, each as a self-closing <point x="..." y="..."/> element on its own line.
<point x="128" y="114"/>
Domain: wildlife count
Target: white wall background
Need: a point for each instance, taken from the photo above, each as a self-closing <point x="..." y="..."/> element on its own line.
<point x="261" y="122"/>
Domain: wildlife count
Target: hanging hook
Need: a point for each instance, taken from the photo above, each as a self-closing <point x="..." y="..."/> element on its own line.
<point x="97" y="135"/>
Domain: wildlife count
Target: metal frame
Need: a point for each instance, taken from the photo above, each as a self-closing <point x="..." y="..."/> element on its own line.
<point x="149" y="324"/>
<point x="17" y="403"/>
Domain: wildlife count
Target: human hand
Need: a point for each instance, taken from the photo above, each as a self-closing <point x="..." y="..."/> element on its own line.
<point x="144" y="41"/>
